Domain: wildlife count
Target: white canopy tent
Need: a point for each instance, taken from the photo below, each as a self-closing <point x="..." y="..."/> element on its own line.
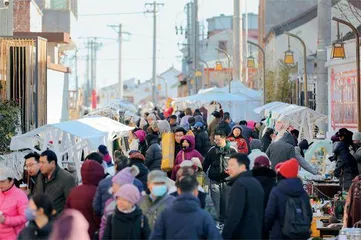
<point x="240" y="106"/>
<point x="238" y="88"/>
<point x="69" y="139"/>
<point x="112" y="110"/>
<point x="301" y="118"/>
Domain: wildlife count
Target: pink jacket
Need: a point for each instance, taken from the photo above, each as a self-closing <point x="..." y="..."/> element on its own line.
<point x="13" y="203"/>
<point x="109" y="208"/>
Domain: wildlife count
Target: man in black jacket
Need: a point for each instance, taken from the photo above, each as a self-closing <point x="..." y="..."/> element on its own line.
<point x="216" y="161"/>
<point x="245" y="211"/>
<point x="203" y="143"/>
<point x="224" y="125"/>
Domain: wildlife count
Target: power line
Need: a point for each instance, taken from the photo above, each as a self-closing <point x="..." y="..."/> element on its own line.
<point x="110" y="14"/>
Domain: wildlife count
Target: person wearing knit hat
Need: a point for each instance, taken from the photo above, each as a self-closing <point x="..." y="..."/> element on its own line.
<point x="128" y="221"/>
<point x="256" y="146"/>
<point x="137" y="159"/>
<point x="267" y="178"/>
<point x="125" y="176"/>
<point x="201" y="176"/>
<point x="289" y="189"/>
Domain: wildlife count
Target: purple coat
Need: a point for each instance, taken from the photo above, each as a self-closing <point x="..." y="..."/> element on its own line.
<point x="189" y="153"/>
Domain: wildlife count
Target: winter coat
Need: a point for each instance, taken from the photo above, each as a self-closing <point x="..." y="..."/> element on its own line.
<point x="224" y="127"/>
<point x="13" y="203"/>
<point x="276" y="207"/>
<point x="357" y="156"/>
<point x="216" y="161"/>
<point x="57" y="187"/>
<point x="248" y="133"/>
<point x="81" y="197"/>
<point x="186" y="154"/>
<point x="109" y="209"/>
<point x="281" y="150"/>
<point x="143" y="170"/>
<point x="303" y="163"/>
<point x="242" y="146"/>
<point x="204" y="199"/>
<point x="184" y="122"/>
<point x="177" y="149"/>
<point x="245" y="208"/>
<point x="267" y="178"/>
<point x="266" y="141"/>
<point x="152" y="209"/>
<point x="203" y="144"/>
<point x="33" y="232"/>
<point x="178" y="221"/>
<point x="102" y="194"/>
<point x="153" y="156"/>
<point x="212" y="128"/>
<point x="132" y="225"/>
<point x="352" y="212"/>
<point x="346" y="166"/>
<point x="253" y="155"/>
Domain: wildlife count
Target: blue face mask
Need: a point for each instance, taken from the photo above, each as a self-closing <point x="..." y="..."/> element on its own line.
<point x="159" y="191"/>
<point x="30" y="214"/>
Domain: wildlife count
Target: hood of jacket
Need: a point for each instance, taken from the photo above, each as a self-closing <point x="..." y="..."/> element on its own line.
<point x="151" y="139"/>
<point x="291" y="187"/>
<point x="91" y="172"/>
<point x="234" y="127"/>
<point x="251" y="124"/>
<point x="288" y="138"/>
<point x="191" y="140"/>
<point x="140" y="134"/>
<point x="186" y="203"/>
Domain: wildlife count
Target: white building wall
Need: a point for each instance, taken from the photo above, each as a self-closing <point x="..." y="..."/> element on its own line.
<point x="36" y="17"/>
<point x="6" y="21"/>
<point x="55" y="96"/>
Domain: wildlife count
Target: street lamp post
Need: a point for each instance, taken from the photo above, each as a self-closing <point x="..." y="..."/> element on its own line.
<point x="205" y="63"/>
<point x="264" y="69"/>
<point x="357" y="35"/>
<point x="166" y="85"/>
<point x="229" y="66"/>
<point x="304" y="63"/>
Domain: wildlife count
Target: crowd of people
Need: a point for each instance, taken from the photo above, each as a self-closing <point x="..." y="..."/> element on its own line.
<point x="230" y="181"/>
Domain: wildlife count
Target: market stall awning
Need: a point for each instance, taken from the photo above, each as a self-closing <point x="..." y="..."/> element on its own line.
<point x="95" y="130"/>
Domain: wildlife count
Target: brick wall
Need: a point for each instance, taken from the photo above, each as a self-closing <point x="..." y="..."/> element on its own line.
<point x="21" y="15"/>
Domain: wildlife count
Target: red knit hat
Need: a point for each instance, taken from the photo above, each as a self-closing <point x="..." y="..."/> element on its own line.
<point x="288" y="169"/>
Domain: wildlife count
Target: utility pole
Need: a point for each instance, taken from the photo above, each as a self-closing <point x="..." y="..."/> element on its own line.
<point x="195" y="45"/>
<point x="189" y="44"/>
<point x="118" y="29"/>
<point x="76" y="77"/>
<point x="154" y="10"/>
<point x="246" y="38"/>
<point x="237" y="40"/>
<point x="324" y="38"/>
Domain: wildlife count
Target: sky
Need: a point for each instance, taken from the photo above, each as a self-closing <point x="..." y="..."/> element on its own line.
<point x="138" y="45"/>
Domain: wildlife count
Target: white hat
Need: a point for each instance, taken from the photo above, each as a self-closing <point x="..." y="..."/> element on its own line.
<point x="196" y="161"/>
<point x="186" y="163"/>
<point x="6" y="173"/>
<point x="356" y="136"/>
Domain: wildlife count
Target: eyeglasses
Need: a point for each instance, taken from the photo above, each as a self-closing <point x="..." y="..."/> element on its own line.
<point x="29" y="166"/>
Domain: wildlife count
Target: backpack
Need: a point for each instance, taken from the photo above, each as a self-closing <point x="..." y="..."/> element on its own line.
<point x="297" y="220"/>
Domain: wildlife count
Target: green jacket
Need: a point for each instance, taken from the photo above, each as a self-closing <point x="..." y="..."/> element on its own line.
<point x="152" y="209"/>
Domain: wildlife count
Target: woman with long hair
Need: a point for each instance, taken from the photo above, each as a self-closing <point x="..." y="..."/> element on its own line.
<point x="237" y="137"/>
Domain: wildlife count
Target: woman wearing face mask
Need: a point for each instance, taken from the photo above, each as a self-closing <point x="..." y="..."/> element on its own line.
<point x="158" y="199"/>
<point x="39" y="214"/>
<point x="13" y="203"/>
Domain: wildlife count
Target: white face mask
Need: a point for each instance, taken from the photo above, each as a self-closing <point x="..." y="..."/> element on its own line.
<point x="110" y="190"/>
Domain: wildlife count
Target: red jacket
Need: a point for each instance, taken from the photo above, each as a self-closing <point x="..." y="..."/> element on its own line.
<point x="242" y="146"/>
<point x="81" y="197"/>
